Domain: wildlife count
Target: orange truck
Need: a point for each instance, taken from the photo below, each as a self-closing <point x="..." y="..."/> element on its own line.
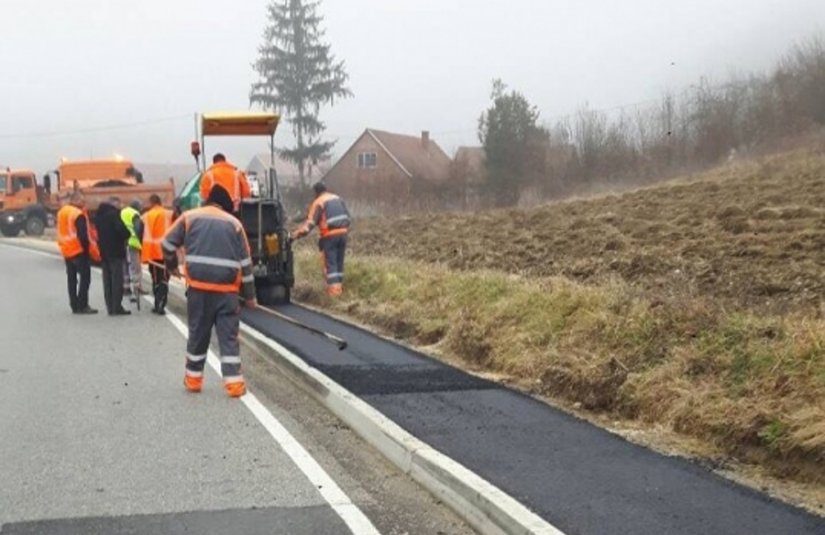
<point x="27" y="206"/>
<point x="23" y="205"/>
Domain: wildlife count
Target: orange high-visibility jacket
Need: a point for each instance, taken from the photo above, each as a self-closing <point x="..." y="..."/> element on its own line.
<point x="217" y="255"/>
<point x="155" y="224"/>
<point x="67" y="239"/>
<point x="329" y="213"/>
<point x="230" y="178"/>
<point x="94" y="248"/>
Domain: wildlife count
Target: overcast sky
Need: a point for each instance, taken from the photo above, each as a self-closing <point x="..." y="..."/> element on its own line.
<point x="76" y="67"/>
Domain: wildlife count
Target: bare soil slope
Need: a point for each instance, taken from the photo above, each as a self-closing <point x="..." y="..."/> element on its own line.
<point x="751" y="234"/>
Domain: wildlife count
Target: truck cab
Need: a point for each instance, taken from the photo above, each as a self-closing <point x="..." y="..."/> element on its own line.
<point x="22" y="204"/>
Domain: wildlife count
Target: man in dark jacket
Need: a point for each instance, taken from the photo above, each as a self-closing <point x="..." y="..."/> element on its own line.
<point x="112" y="236"/>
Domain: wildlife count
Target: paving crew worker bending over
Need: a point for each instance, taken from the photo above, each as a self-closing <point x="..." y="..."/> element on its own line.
<point x="329" y="213"/>
<point x="218" y="267"/>
<point x="229" y="177"/>
<point x="75" y="240"/>
<point x="156" y="221"/>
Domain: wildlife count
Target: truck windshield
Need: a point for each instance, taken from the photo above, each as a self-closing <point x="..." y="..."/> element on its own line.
<point x="20" y="183"/>
<point x="2" y="183"/>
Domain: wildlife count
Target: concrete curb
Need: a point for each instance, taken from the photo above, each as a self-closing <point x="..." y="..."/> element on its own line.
<point x="483" y="505"/>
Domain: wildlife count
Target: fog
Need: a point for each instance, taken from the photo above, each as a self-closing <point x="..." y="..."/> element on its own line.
<point x="101" y="77"/>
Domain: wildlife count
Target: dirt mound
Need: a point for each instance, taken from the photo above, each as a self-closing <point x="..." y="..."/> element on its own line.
<point x="749" y="235"/>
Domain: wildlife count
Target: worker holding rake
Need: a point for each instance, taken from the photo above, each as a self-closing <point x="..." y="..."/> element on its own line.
<point x="329" y="213"/>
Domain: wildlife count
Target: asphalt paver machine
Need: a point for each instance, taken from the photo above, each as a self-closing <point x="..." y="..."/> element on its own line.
<point x="263" y="217"/>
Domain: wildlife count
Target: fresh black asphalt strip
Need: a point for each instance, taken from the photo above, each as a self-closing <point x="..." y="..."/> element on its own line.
<point x="582" y="479"/>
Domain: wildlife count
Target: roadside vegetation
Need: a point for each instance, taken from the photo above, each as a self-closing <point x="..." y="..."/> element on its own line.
<point x="695" y="305"/>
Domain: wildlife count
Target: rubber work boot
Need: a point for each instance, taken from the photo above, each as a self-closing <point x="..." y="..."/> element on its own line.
<point x="235" y="390"/>
<point x="335" y="290"/>
<point x="193" y="384"/>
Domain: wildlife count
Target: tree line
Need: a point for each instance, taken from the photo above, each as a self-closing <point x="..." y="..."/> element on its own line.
<point x="700" y="127"/>
<point x="526" y="160"/>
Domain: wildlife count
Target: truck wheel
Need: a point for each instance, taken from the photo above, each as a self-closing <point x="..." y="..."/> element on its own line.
<point x="277" y="294"/>
<point x="9" y="231"/>
<point x="35" y="226"/>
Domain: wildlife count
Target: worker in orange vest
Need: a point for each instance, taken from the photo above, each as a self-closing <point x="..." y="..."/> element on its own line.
<point x="218" y="268"/>
<point x="329" y="213"/>
<point x="156" y="222"/>
<point x="75" y="241"/>
<point x="229" y="177"/>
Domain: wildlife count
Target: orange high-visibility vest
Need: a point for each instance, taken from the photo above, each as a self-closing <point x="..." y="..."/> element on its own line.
<point x="322" y="204"/>
<point x="155" y="224"/>
<point x="67" y="239"/>
<point x="94" y="248"/>
<point x="230" y="178"/>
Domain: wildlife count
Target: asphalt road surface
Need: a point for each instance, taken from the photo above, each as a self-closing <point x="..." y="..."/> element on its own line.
<point x="582" y="479"/>
<point x="97" y="434"/>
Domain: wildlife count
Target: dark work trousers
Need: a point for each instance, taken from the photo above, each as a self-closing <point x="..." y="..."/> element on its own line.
<point x="79" y="275"/>
<point x="223" y="311"/>
<point x="160" y="285"/>
<point x="113" y="283"/>
<point x="333" y="250"/>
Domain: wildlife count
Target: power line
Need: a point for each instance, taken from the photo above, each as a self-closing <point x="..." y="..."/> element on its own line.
<point x="109" y="128"/>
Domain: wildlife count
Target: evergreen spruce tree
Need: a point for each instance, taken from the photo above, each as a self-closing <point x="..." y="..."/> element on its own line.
<point x="514" y="145"/>
<point x="298" y="74"/>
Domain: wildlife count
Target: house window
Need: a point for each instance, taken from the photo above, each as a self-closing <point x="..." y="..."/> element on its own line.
<point x="367" y="160"/>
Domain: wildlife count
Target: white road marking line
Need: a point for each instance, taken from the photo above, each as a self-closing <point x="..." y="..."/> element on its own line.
<point x="352" y="516"/>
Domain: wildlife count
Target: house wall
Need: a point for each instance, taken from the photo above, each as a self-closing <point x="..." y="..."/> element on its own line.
<point x="385" y="185"/>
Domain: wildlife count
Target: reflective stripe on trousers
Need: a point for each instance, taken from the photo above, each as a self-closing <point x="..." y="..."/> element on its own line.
<point x="333" y="250"/>
<point x="221" y="311"/>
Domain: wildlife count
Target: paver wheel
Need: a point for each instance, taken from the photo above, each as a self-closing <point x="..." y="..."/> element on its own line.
<point x="276" y="294"/>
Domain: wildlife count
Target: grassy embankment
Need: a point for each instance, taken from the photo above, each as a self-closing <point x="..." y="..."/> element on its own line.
<point x="695" y="305"/>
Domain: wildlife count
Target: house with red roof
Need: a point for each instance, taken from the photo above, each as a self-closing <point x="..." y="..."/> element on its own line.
<point x="383" y="170"/>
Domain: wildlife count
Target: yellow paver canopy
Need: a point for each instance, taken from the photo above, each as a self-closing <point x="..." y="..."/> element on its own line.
<point x="239" y="124"/>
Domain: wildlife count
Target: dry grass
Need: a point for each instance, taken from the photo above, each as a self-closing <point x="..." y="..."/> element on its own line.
<point x="693" y="306"/>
